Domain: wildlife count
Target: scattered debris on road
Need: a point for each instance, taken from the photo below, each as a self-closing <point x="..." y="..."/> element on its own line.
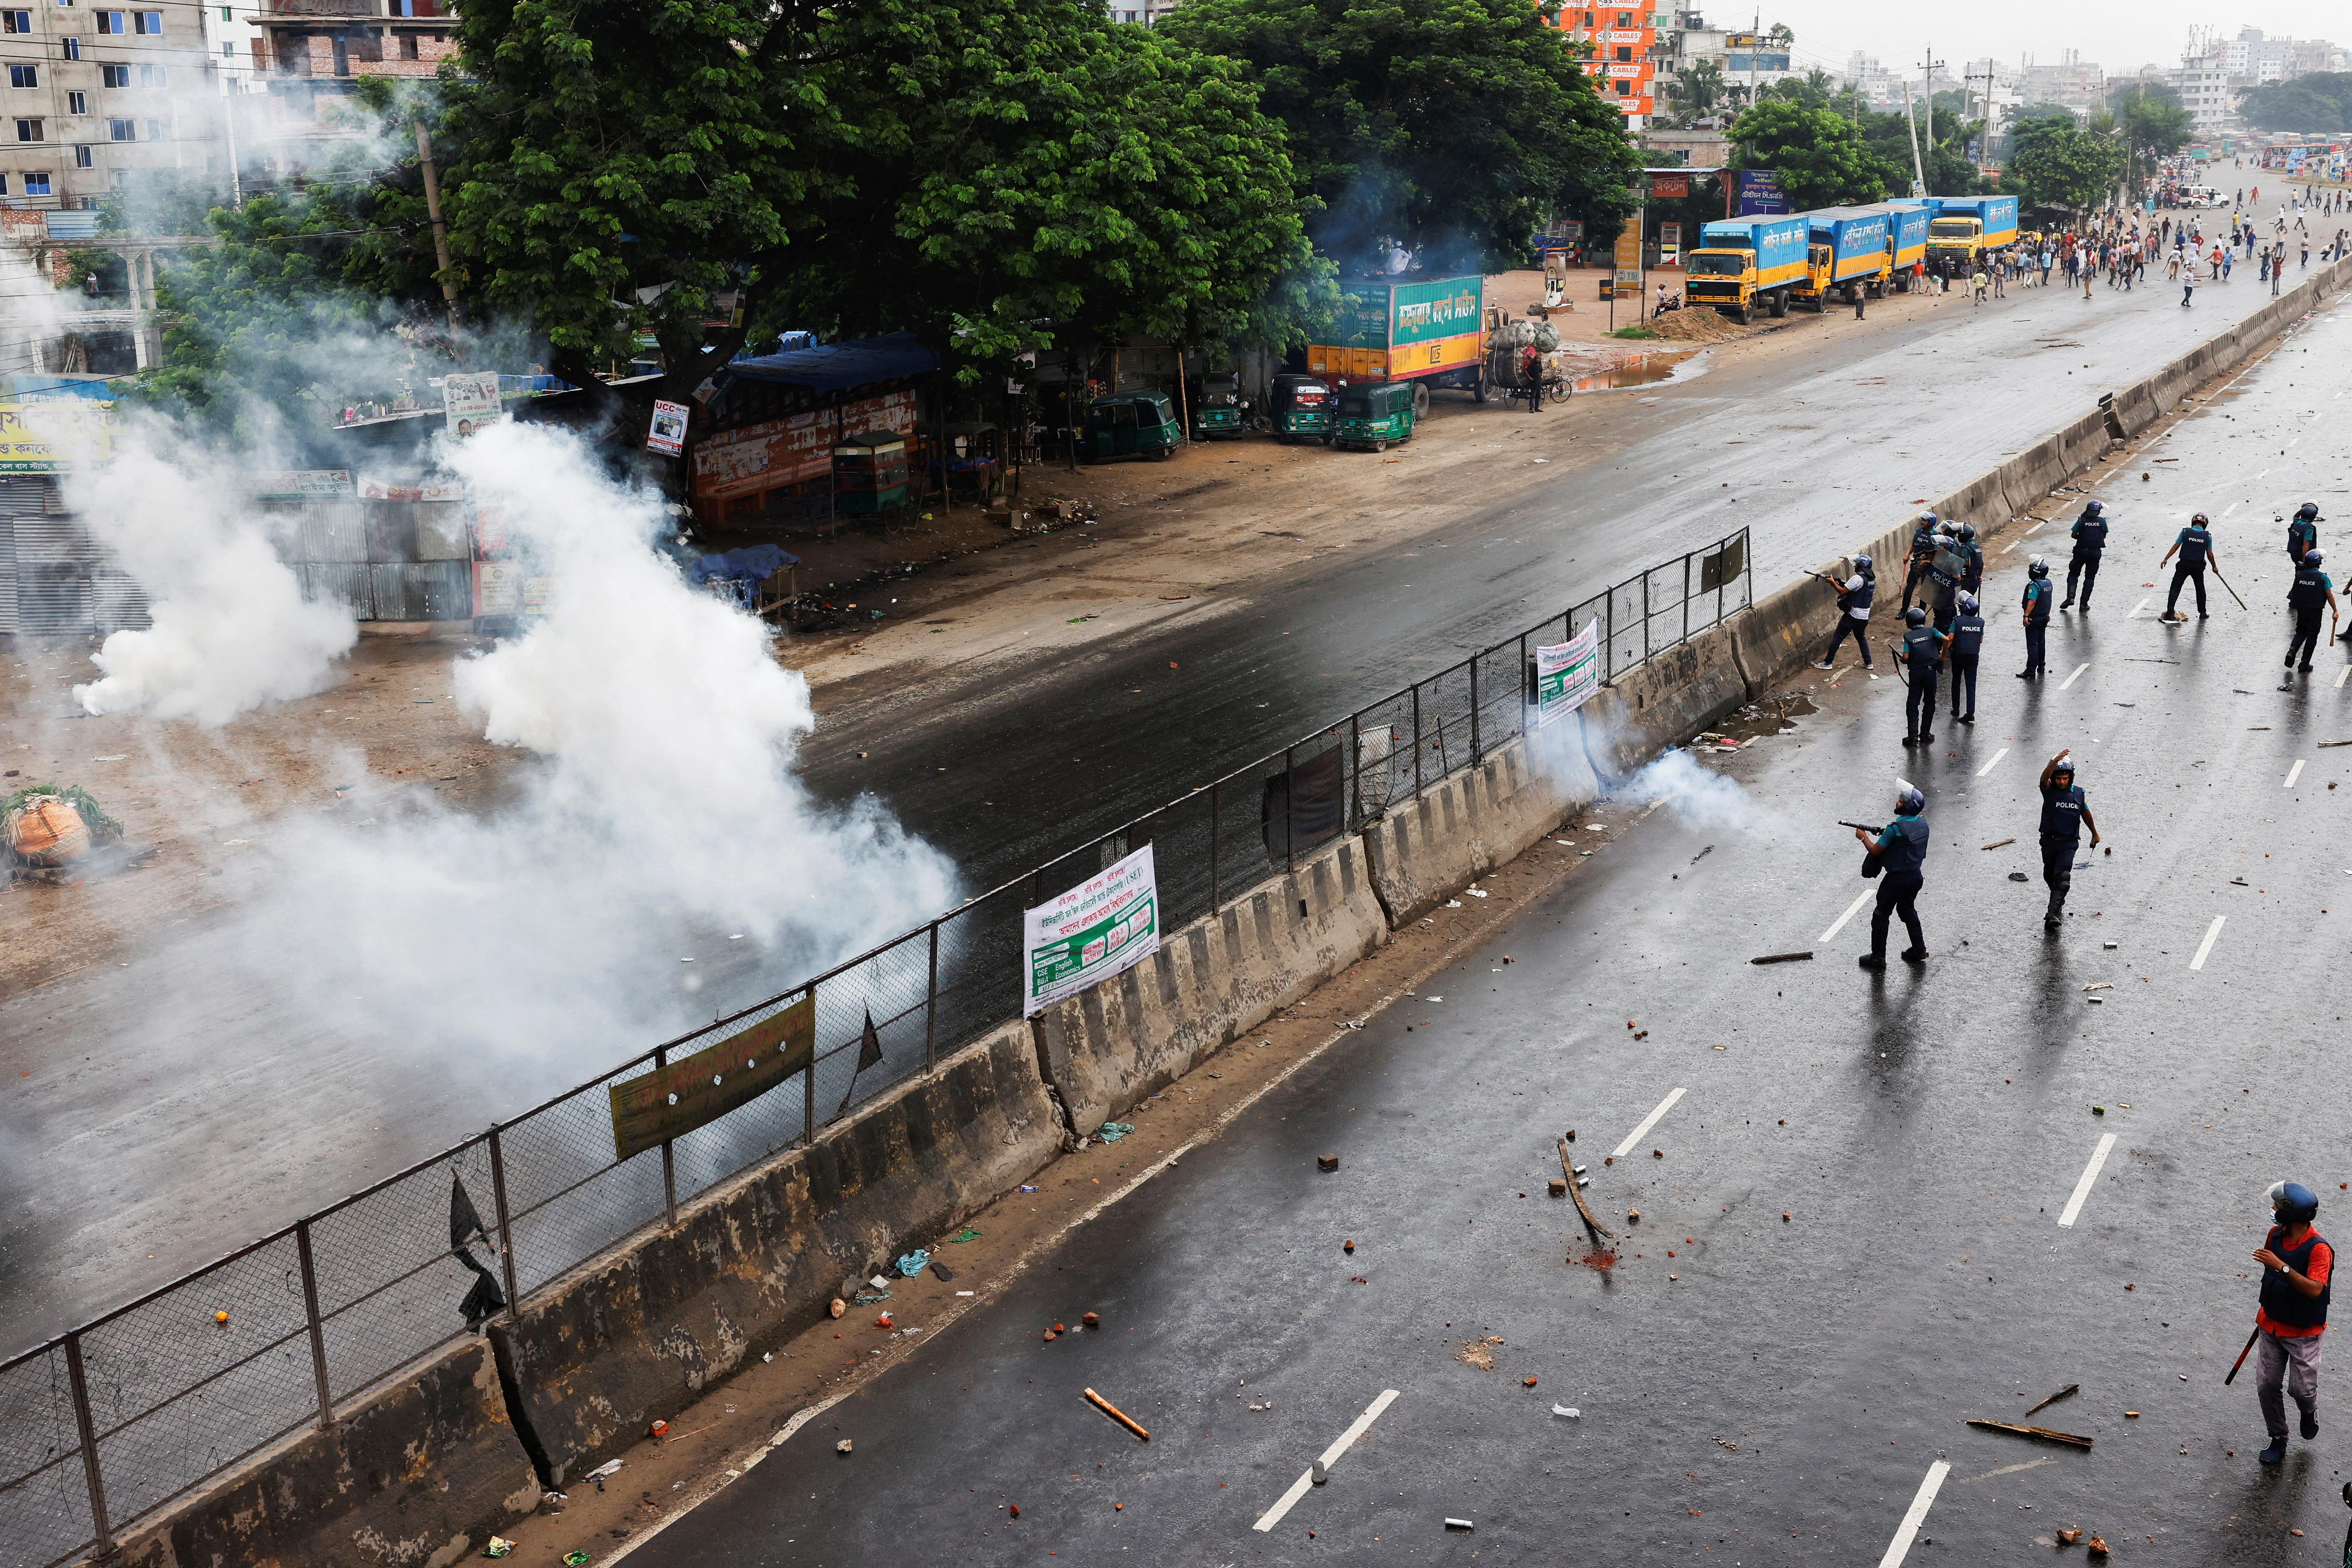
<point x="2066" y="1392"/>
<point x="1781" y="958"/>
<point x="2072" y="1440"/>
<point x="1997" y="843"/>
<point x="1116" y="1414"/>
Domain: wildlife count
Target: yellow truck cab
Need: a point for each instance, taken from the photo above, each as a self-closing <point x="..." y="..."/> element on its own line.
<point x="1964" y="227"/>
<point x="1741" y="263"/>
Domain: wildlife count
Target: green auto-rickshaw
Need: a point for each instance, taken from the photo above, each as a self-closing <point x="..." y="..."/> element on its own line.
<point x="1132" y="422"/>
<point x="1301" y="407"/>
<point x="1373" y="414"/>
<point x="1217" y="405"/>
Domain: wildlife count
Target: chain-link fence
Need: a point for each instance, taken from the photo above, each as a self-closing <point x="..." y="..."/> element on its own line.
<point x="125" y="1415"/>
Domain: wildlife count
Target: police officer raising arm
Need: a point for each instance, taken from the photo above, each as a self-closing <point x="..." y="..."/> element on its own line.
<point x="2195" y="548"/>
<point x="1853" y="596"/>
<point x="2090" y="533"/>
<point x="2064" y="816"/>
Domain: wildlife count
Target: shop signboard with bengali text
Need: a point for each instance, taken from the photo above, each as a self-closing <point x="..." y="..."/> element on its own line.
<point x="55" y="437"/>
<point x="1566" y="675"/>
<point x="1102" y="927"/>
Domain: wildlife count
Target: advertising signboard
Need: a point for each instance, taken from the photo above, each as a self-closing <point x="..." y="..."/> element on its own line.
<point x="1759" y="194"/>
<point x="469" y="399"/>
<point x="668" y="433"/>
<point x="1566" y="675"/>
<point x="1102" y="927"/>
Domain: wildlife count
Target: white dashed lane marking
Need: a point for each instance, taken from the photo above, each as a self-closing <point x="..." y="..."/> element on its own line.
<point x="1648" y="1122"/>
<point x="2295" y="771"/>
<point x="2090" y="1174"/>
<point x="1981" y="772"/>
<point x="2074" y="678"/>
<point x="1915" y="1515"/>
<point x="2207" y="945"/>
<point x="1838" y="924"/>
<point x="1298" y="1489"/>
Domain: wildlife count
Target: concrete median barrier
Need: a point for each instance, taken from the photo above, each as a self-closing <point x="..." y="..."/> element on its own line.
<point x="1110" y="1045"/>
<point x="1664" y="701"/>
<point x="424" y="1472"/>
<point x="1466" y="824"/>
<point x="645" y="1330"/>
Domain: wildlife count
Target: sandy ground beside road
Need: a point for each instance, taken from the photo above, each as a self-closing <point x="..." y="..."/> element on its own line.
<point x="1170" y="537"/>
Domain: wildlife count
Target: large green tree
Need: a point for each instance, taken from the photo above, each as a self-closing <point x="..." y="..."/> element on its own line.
<point x="1449" y="128"/>
<point x="1821" y="159"/>
<point x="2154" y="122"/>
<point x="2321" y="101"/>
<point x="2054" y="164"/>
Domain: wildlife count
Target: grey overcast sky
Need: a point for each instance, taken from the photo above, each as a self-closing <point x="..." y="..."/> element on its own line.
<point x="2121" y="37"/>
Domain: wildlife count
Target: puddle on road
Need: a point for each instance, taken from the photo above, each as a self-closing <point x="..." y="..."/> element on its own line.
<point x="1649" y="370"/>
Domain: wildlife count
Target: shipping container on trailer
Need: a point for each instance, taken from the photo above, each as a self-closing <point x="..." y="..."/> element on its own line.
<point x="1741" y="262"/>
<point x="1427" y="330"/>
<point x="1846" y="250"/>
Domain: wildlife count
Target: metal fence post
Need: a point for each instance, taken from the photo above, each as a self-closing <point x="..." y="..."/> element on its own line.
<point x="1613" y="634"/>
<point x="318" y="1331"/>
<point x="505" y="1227"/>
<point x="1477" y="754"/>
<point x="1216" y="824"/>
<point x="808" y="1081"/>
<point x="932" y="1001"/>
<point x="1289" y="812"/>
<point x="1354" y="813"/>
<point x="1686" y="598"/>
<point x="670" y="1157"/>
<point x="1416" y="737"/>
<point x="89" y="1428"/>
<point x="1646" y="615"/>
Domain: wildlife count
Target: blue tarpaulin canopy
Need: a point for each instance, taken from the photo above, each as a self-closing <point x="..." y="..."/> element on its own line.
<point x="837" y="367"/>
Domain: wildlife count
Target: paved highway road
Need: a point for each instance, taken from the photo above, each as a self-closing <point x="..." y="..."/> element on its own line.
<point x="1871" y="1206"/>
<point x="190" y="1102"/>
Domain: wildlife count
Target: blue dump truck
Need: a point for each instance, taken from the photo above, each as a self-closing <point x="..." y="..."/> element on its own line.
<point x="1742" y="262"/>
<point x="1850" y="250"/>
<point x="1966" y="227"/>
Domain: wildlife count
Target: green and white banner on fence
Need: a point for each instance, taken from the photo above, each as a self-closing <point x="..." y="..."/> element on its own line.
<point x="1095" y="931"/>
<point x="1566" y="674"/>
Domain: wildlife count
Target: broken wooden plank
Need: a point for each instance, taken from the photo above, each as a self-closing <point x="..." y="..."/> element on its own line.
<point x="2070" y="1438"/>
<point x="1781" y="958"/>
<point x="1998" y="842"/>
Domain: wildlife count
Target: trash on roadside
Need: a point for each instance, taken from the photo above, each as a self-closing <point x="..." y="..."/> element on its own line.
<point x="943" y="1271"/>
<point x="2069" y="1537"/>
<point x="609" y="1468"/>
<point x="838" y="1307"/>
<point x="1476" y="892"/>
<point x="2108" y="945"/>
<point x="967" y="1234"/>
<point x="2098" y="1546"/>
<point x="1459" y="1524"/>
<point x="1998" y="842"/>
<point x="1028" y="1189"/>
<point x="1781" y="958"/>
<point x="1327" y="1162"/>
<point x="574" y="1559"/>
<point x="842" y="1446"/>
<point x="551" y="1502"/>
<point x="500" y="1546"/>
<point x="1568" y="1412"/>
<point x="1527" y="1382"/>
<point x="913" y="1263"/>
<point x="1634" y="1217"/>
<point x="1092" y="1320"/>
<point x="882" y="1320"/>
<point x="1112" y="1131"/>
<point x="1346" y="1246"/>
<point x="2017" y="876"/>
<point x="871" y="1298"/>
<point x="1557" y="1186"/>
<point x="659" y="1430"/>
<point x="1262" y="1409"/>
<point x="880" y="1282"/>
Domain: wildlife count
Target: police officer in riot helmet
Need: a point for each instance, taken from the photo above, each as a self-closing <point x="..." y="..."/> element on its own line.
<point x="1963" y="644"/>
<point x="2064" y="816"/>
<point x="1972" y="577"/>
<point x="2034" y="605"/>
<point x="2090" y="533"/>
<point x="2309" y="593"/>
<point x="1901" y="851"/>
<point x="2302" y="534"/>
<point x="1921" y="656"/>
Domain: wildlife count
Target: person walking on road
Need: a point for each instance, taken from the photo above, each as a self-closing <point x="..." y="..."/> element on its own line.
<point x="2310" y="591"/>
<point x="2291" y="1313"/>
<point x="1901" y="851"/>
<point x="2063" y="818"/>
<point x="1854" y="612"/>
<point x="1921" y="654"/>
<point x="2090" y="533"/>
<point x="2035" y="607"/>
<point x="2188" y="285"/>
<point x="2195" y="547"/>
<point x="1965" y="643"/>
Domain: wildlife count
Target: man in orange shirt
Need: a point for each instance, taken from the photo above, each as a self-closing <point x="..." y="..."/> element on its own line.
<point x="2293" y="1313"/>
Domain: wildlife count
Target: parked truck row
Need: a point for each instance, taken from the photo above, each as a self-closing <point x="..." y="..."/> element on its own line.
<point x="1747" y="264"/>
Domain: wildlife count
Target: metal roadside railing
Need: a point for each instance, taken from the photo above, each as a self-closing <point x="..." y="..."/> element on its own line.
<point x="118" y="1418"/>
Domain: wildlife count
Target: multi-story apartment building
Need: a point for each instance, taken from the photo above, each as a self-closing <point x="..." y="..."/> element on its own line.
<point x="314" y="50"/>
<point x="2074" y="82"/>
<point x="2203" y="82"/>
<point x="1624" y="59"/>
<point x="95" y="93"/>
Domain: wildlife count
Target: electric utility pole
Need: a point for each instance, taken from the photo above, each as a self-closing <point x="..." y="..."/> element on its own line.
<point x="1931" y="66"/>
<point x="1911" y="123"/>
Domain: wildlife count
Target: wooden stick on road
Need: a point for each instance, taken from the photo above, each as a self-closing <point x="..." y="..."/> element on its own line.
<point x="1568" y="1169"/>
<point x="1116" y="1414"/>
<point x="2044" y="1433"/>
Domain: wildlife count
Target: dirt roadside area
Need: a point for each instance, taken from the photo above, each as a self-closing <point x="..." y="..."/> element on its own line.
<point x="950" y="598"/>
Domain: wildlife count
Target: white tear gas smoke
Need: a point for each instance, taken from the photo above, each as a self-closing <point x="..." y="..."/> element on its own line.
<point x="1695" y="796"/>
<point x="231" y="629"/>
<point x="537" y="941"/>
<point x="665" y="816"/>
